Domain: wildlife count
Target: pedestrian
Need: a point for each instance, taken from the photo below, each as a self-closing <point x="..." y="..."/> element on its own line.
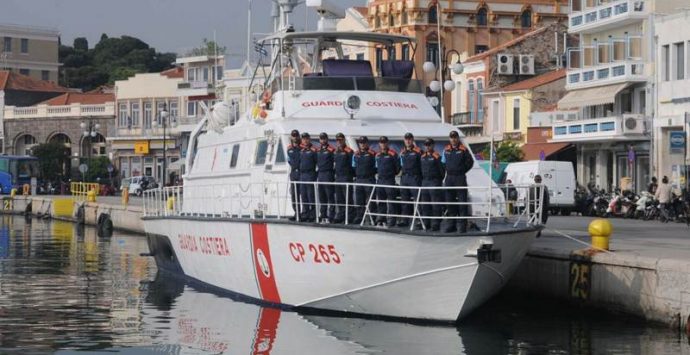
<point x="364" y="164"/>
<point x="652" y="186"/>
<point x="411" y="167"/>
<point x="432" y="177"/>
<point x="511" y="195"/>
<point x="294" y="150"/>
<point x="458" y="161"/>
<point x="387" y="167"/>
<point x="344" y="173"/>
<point x="537" y="194"/>
<point x="326" y="175"/>
<point x="663" y="195"/>
<point x="307" y="175"/>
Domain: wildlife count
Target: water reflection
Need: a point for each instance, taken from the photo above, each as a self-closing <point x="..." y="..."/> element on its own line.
<point x="66" y="289"/>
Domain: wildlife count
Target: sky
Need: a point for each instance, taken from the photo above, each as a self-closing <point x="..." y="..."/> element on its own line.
<point x="167" y="25"/>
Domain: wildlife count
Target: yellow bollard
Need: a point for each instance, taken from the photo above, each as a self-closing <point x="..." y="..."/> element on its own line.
<point x="600" y="229"/>
<point x="125" y="196"/>
<point x="170" y="203"/>
<point x="13" y="192"/>
<point x="91" y="196"/>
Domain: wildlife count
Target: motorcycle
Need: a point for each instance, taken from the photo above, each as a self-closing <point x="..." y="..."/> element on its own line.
<point x="641" y="205"/>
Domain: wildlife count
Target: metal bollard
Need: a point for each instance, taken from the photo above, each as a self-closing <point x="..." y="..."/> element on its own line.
<point x="600" y="229"/>
<point x="91" y="196"/>
<point x="170" y="203"/>
<point x="13" y="192"/>
<point x="125" y="197"/>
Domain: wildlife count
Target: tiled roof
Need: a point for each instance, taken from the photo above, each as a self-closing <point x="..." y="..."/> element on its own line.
<point x="10" y="80"/>
<point x="79" y="98"/>
<point x="534" y="82"/>
<point x="512" y="42"/>
<point x="174" y="73"/>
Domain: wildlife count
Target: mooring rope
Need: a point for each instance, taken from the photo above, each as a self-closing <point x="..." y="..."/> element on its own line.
<point x="577" y="240"/>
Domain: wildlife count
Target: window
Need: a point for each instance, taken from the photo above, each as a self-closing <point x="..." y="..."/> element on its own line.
<point x="360" y="56"/>
<point x="191" y="108"/>
<point x="604" y="52"/>
<point x="635" y="47"/>
<point x="679" y="64"/>
<point x="391" y="20"/>
<point x="205" y="71"/>
<point x="619" y="50"/>
<point x="24" y="72"/>
<point x="433" y="15"/>
<point x="135" y="114"/>
<point x="235" y="155"/>
<point x="391" y="53"/>
<point x="482" y="17"/>
<point x="219" y="72"/>
<point x="666" y="62"/>
<point x="261" y="148"/>
<point x="173" y="110"/>
<point x="471" y="100"/>
<point x="122" y="117"/>
<point x="24" y="45"/>
<point x="377" y="21"/>
<point x="432" y="53"/>
<point x="526" y="19"/>
<point x="191" y="74"/>
<point x="148" y="114"/>
<point x="280" y="154"/>
<point x="480" y="100"/>
<point x="405" y="52"/>
<point x="379" y="59"/>
<point x="7" y="44"/>
<point x="403" y="17"/>
<point x="480" y="49"/>
<point x="45" y="75"/>
<point x="516" y="114"/>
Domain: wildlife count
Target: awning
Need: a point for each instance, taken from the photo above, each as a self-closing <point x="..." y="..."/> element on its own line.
<point x="589" y="97"/>
<point x="533" y="151"/>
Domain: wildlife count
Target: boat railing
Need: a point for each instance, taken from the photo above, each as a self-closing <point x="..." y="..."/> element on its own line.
<point x="349" y="83"/>
<point x="273" y="200"/>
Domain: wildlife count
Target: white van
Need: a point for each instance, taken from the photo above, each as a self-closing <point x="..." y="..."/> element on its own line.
<point x="558" y="176"/>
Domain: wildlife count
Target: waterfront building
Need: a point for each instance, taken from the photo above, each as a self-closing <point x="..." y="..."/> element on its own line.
<point x="468" y="27"/>
<point x="673" y="97"/>
<point x="610" y="83"/>
<point x="138" y="140"/>
<point x="30" y="51"/>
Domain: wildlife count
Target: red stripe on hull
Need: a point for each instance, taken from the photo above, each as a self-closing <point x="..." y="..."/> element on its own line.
<point x="263" y="267"/>
<point x="266" y="331"/>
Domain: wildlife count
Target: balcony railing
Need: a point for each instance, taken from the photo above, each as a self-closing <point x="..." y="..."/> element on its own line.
<point x="596" y="18"/>
<point x="605" y="74"/>
<point x="73" y="110"/>
<point x="622" y="127"/>
<point x="195" y="85"/>
<point x="462" y="118"/>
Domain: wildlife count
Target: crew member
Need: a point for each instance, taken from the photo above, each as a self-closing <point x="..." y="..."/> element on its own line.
<point x="458" y="161"/>
<point x="387" y="167"/>
<point x="293" y="152"/>
<point x="364" y="164"/>
<point x="325" y="175"/>
<point x="307" y="173"/>
<point x="432" y="176"/>
<point x="342" y="158"/>
<point x="411" y="167"/>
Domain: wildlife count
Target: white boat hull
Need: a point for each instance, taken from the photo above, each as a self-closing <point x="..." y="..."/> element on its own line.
<point x="364" y="271"/>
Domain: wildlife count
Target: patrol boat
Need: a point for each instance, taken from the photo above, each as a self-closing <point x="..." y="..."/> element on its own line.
<point x="229" y="226"/>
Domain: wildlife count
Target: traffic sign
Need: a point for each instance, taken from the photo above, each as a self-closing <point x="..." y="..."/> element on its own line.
<point x="110" y="168"/>
<point x="83" y="168"/>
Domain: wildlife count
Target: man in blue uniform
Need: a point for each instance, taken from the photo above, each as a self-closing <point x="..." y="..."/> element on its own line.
<point x="364" y="164"/>
<point x="410" y="165"/>
<point x="458" y="161"/>
<point x="325" y="174"/>
<point x="293" y="152"/>
<point x="432" y="176"/>
<point x="307" y="173"/>
<point x="342" y="158"/>
<point x="387" y="167"/>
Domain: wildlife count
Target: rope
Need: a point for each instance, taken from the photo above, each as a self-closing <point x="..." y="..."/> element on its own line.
<point x="576" y="240"/>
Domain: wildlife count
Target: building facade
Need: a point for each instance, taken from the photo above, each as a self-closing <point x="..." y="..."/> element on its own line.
<point x="139" y="138"/>
<point x="30" y="51"/>
<point x="610" y="82"/>
<point x="673" y="97"/>
<point x="468" y="27"/>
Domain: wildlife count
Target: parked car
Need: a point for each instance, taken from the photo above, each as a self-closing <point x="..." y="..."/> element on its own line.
<point x="136" y="185"/>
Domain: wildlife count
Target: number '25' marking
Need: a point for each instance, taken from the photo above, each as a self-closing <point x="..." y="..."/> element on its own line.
<point x="318" y="253"/>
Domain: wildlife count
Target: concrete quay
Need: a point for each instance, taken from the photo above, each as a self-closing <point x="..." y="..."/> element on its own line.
<point x="646" y="273"/>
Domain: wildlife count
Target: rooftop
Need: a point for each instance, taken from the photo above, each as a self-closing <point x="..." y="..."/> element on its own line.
<point x="79" y="98"/>
<point x="10" y="80"/>
<point x="534" y="82"/>
<point x="173" y="73"/>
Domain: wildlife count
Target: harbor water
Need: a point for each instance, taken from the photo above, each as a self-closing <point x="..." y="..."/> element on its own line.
<point x="65" y="289"/>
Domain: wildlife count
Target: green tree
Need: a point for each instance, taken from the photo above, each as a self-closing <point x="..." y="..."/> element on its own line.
<point x="98" y="169"/>
<point x="53" y="160"/>
<point x="506" y="152"/>
<point x="81" y="44"/>
<point x="207" y="48"/>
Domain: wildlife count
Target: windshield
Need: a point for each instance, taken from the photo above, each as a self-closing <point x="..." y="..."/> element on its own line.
<point x="24" y="168"/>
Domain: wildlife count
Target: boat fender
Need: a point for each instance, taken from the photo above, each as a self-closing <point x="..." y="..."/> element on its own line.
<point x="27" y="210"/>
<point x="105" y="224"/>
<point x="81" y="215"/>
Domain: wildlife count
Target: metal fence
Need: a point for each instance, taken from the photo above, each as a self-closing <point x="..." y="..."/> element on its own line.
<point x="273" y="200"/>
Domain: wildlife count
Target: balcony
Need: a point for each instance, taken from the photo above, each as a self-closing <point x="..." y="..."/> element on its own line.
<point x="605" y="74"/>
<point x="627" y="127"/>
<point x="195" y="88"/>
<point x="609" y="14"/>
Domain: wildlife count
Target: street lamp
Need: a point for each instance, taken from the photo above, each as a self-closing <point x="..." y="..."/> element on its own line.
<point x="444" y="83"/>
<point x="164" y="114"/>
<point x="90" y="131"/>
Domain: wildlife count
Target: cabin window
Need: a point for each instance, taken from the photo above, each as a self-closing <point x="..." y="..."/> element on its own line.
<point x="261" y="149"/>
<point x="235" y="155"/>
<point x="280" y="154"/>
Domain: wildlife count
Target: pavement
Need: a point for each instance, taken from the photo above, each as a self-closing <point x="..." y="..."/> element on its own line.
<point x="647" y="239"/>
<point x="110" y="200"/>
